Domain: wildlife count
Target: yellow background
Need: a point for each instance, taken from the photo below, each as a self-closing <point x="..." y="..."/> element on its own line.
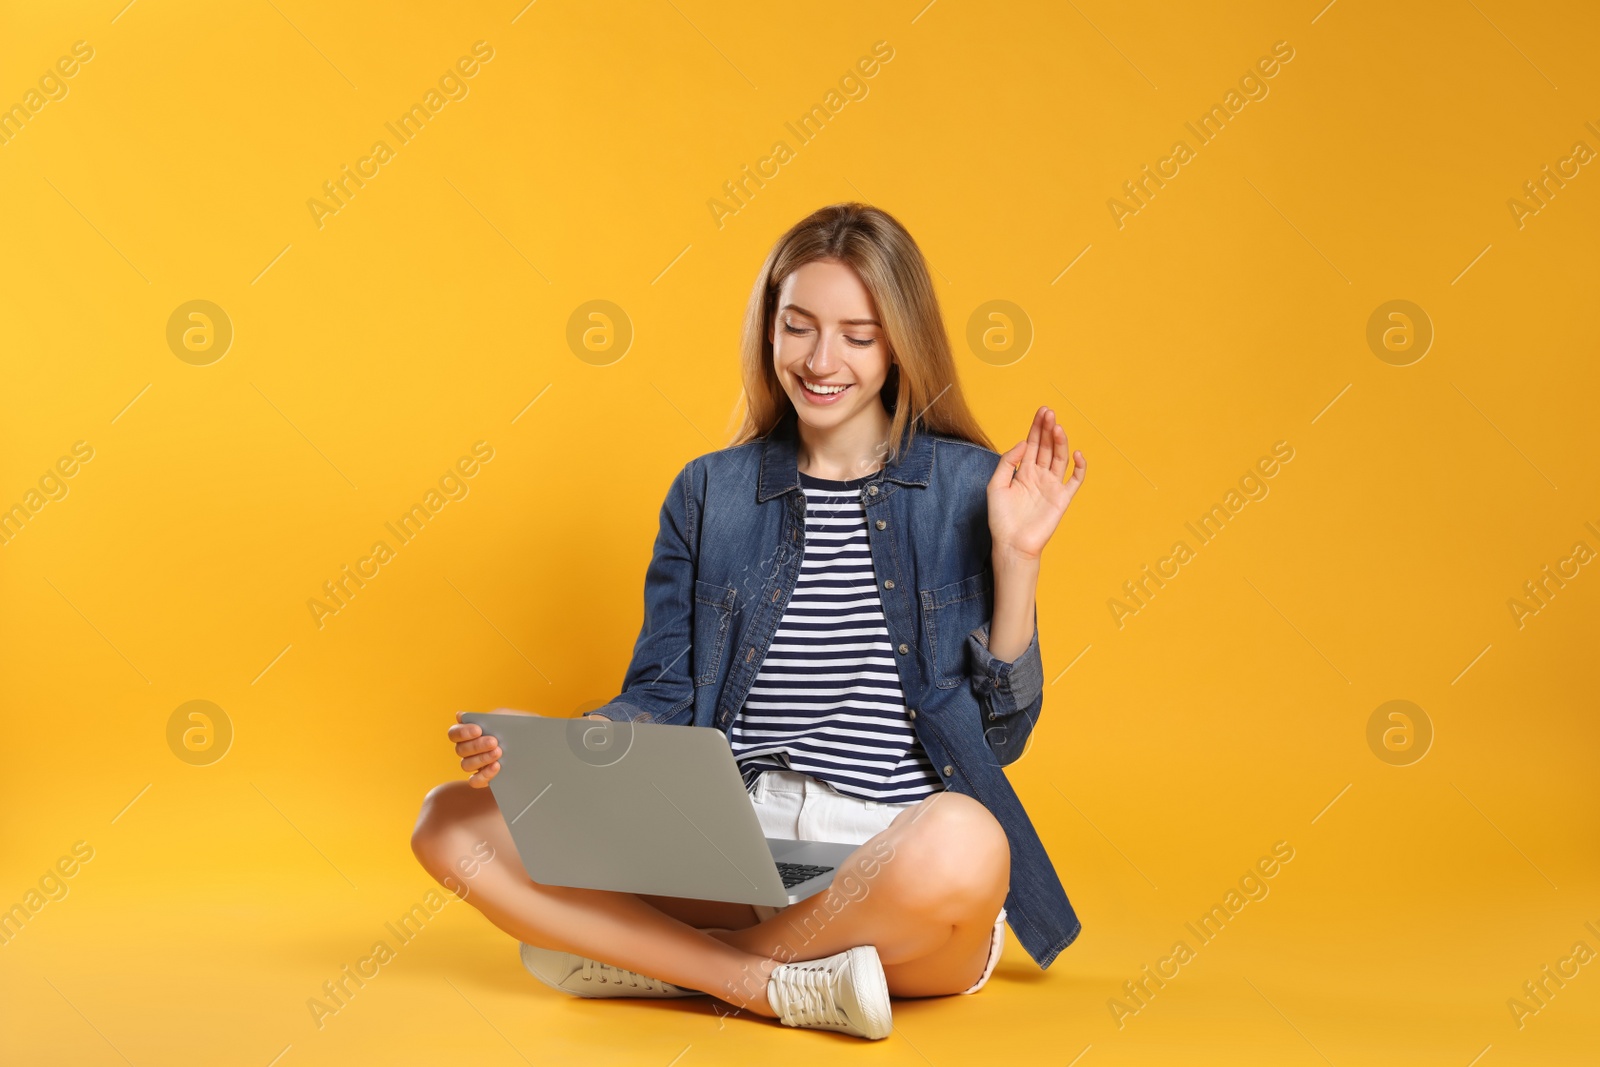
<point x="369" y="354"/>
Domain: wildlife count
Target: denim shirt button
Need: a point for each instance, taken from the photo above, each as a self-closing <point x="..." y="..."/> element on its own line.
<point x="872" y="490"/>
<point x="888" y="583"/>
<point x="882" y="524"/>
<point x="948" y="770"/>
<point x="904" y="648"/>
<point x="911" y="713"/>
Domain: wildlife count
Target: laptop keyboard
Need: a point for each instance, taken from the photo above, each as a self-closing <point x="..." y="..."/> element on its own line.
<point x="795" y="873"/>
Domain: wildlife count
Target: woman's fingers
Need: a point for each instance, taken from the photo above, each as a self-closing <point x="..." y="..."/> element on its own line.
<point x="1058" y="458"/>
<point x="1031" y="452"/>
<point x="476" y="749"/>
<point x="1080" y="465"/>
<point x="476" y="745"/>
<point x="1047" y="440"/>
<point x="480" y="753"/>
<point x="465" y="731"/>
<point x="1008" y="463"/>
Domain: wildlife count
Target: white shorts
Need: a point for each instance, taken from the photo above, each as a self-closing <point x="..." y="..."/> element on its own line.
<point x="798" y="807"/>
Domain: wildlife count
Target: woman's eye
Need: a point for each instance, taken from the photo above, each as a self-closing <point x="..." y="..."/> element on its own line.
<point x="858" y="342"/>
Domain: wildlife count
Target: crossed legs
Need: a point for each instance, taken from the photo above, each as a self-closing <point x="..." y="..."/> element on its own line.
<point x="925" y="892"/>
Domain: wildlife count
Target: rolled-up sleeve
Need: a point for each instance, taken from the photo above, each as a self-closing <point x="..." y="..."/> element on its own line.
<point x="1006" y="687"/>
<point x="1010" y="693"/>
<point x="658" y="686"/>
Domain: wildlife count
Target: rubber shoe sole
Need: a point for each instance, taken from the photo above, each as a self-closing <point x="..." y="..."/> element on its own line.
<point x="846" y="992"/>
<point x="583" y="977"/>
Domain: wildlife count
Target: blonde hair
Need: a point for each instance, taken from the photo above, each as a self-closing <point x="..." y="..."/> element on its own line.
<point x="926" y="391"/>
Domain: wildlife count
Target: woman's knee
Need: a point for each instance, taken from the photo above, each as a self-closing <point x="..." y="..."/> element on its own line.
<point x="439" y="822"/>
<point x="949" y="851"/>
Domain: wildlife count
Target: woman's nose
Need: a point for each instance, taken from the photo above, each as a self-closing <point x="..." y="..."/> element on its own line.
<point x="824" y="359"/>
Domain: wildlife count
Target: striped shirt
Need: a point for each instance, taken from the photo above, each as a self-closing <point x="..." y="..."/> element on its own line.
<point x="827" y="700"/>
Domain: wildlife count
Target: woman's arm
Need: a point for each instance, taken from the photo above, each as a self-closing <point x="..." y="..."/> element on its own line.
<point x="1016" y="587"/>
<point x="1026" y="499"/>
<point x="658" y="686"/>
<point x="1009" y="678"/>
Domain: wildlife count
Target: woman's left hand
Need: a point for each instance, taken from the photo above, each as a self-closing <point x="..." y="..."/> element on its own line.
<point x="1026" y="494"/>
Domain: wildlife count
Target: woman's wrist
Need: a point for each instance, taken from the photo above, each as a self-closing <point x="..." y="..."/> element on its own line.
<point x="1008" y="559"/>
<point x="1016" y="584"/>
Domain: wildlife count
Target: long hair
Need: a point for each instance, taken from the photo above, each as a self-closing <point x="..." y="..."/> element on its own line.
<point x="922" y="391"/>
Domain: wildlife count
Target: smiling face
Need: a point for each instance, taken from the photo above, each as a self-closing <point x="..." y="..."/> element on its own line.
<point x="829" y="350"/>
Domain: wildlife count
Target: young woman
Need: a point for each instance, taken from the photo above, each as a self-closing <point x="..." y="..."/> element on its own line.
<point x="848" y="592"/>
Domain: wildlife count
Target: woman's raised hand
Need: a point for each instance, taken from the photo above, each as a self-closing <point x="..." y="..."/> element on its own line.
<point x="1027" y="496"/>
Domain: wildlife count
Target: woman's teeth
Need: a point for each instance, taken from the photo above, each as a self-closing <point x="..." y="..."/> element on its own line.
<point x="823" y="390"/>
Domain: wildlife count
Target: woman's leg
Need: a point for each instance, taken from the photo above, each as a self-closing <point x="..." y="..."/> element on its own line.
<point x="924" y="892"/>
<point x="621" y="929"/>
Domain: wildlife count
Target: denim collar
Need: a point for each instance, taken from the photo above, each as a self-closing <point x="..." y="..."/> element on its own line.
<point x="780" y="469"/>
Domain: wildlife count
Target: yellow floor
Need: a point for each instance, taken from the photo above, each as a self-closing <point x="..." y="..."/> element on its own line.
<point x="208" y="947"/>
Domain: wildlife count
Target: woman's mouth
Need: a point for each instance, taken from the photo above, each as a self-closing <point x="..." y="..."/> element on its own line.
<point x="823" y="394"/>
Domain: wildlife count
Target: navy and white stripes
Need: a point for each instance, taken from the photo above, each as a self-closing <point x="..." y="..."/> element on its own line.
<point x="827" y="700"/>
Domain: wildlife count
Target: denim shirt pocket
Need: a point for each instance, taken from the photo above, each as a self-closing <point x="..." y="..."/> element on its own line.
<point x="713" y="614"/>
<point x="949" y="614"/>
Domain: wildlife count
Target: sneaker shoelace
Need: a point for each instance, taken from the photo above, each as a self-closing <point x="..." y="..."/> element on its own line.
<point x="804" y="1000"/>
<point x="617" y="975"/>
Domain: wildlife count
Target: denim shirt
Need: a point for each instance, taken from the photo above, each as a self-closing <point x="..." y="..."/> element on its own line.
<point x="727" y="559"/>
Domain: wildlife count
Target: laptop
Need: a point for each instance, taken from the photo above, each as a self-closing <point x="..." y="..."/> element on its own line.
<point x="643" y="808"/>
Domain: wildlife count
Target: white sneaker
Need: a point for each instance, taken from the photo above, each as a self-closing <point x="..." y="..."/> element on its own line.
<point x="584" y="977"/>
<point x="846" y="992"/>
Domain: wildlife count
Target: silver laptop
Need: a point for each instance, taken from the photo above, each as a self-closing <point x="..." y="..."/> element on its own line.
<point x="643" y="808"/>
